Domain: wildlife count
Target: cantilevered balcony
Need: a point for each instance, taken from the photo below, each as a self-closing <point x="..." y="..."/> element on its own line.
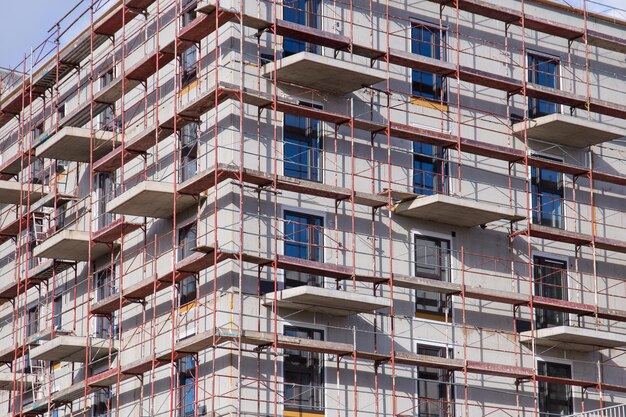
<point x="455" y="211"/>
<point x="70" y="245"/>
<point x="325" y="300"/>
<point x="323" y="73"/>
<point x="74" y="144"/>
<point x="13" y="165"/>
<point x="10" y="381"/>
<point x="12" y="192"/>
<point x="568" y="130"/>
<point x="150" y="199"/>
<point x="575" y="338"/>
<point x="74" y="349"/>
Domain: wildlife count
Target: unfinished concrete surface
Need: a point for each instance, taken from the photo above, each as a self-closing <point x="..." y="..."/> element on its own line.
<point x="150" y="199"/>
<point x="576" y="338"/>
<point x="74" y="349"/>
<point x="455" y="210"/>
<point x="12" y="192"/>
<point x="74" y="144"/>
<point x="323" y="73"/>
<point x="10" y="381"/>
<point x="70" y="245"/>
<point x="325" y="300"/>
<point x="566" y="130"/>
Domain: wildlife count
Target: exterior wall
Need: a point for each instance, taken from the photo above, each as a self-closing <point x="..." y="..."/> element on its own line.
<point x="250" y="220"/>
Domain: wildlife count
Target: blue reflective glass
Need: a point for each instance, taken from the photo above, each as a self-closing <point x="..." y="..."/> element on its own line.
<point x="426" y="41"/>
<point x="542" y="71"/>
<point x="302" y="148"/>
<point x="302" y="12"/>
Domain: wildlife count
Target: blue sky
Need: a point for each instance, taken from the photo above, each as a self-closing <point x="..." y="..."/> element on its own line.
<point x="23" y="27"/>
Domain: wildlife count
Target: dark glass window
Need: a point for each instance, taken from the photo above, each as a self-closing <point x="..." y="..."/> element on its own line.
<point x="303" y="239"/>
<point x="187" y="236"/>
<point x="188" y="61"/>
<point x="554" y="399"/>
<point x="544" y="71"/>
<point x="302" y="147"/>
<point x="187" y="290"/>
<point x="426" y="40"/>
<point x="547" y="197"/>
<point x="58" y="312"/>
<point x="433" y="385"/>
<point x="33" y="320"/>
<point x="186" y="384"/>
<point x="105" y="184"/>
<point x="302" y="12"/>
<point x="303" y="373"/>
<point x="432" y="261"/>
<point x="550" y="276"/>
<point x="102" y="403"/>
<point x="104" y="283"/>
<point x="188" y="151"/>
<point x="429" y="169"/>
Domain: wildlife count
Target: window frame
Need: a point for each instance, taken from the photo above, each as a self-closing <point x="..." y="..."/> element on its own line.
<point x="566" y="294"/>
<point x="189" y="143"/>
<point x="435" y="236"/>
<point x="313" y="8"/>
<point x="33" y="317"/>
<point x="321" y="280"/>
<point x="532" y="102"/>
<point x="315" y="328"/>
<point x="57" y="318"/>
<point x="321" y="142"/>
<point x="182" y="377"/>
<point x="440" y="172"/>
<point x="535" y="191"/>
<point x="442" y="36"/>
<point x="557" y="361"/>
<point x="449" y="377"/>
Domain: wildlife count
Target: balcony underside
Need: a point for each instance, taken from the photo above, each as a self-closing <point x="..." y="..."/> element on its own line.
<point x="74" y="349"/>
<point x="150" y="199"/>
<point x="574" y="338"/>
<point x="454" y="210"/>
<point x="13" y="165"/>
<point x="115" y="230"/>
<point x="325" y="300"/>
<point x="207" y="179"/>
<point x="70" y="245"/>
<point x="12" y="192"/>
<point x="10" y="381"/>
<point x="323" y="73"/>
<point x="568" y="130"/>
<point x="74" y="144"/>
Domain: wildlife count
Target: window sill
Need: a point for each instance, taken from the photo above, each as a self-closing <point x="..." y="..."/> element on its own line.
<point x="433" y="316"/>
<point x="186" y="89"/>
<point x="300" y="413"/>
<point x="186" y="307"/>
<point x="430" y="104"/>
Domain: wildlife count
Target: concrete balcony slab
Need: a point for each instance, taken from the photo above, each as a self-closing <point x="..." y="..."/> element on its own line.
<point x="568" y="130"/>
<point x="12" y="192"/>
<point x="575" y="338"/>
<point x="70" y="245"/>
<point x="7" y="380"/>
<point x="325" y="300"/>
<point x="73" y="349"/>
<point x="150" y="199"/>
<point x="455" y="210"/>
<point x="73" y="144"/>
<point x="323" y="73"/>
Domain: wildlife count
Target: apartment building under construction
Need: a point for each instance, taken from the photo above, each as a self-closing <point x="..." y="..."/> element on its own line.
<point x="301" y="208"/>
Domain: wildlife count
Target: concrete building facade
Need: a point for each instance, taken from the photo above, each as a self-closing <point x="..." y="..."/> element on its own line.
<point x="312" y="207"/>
